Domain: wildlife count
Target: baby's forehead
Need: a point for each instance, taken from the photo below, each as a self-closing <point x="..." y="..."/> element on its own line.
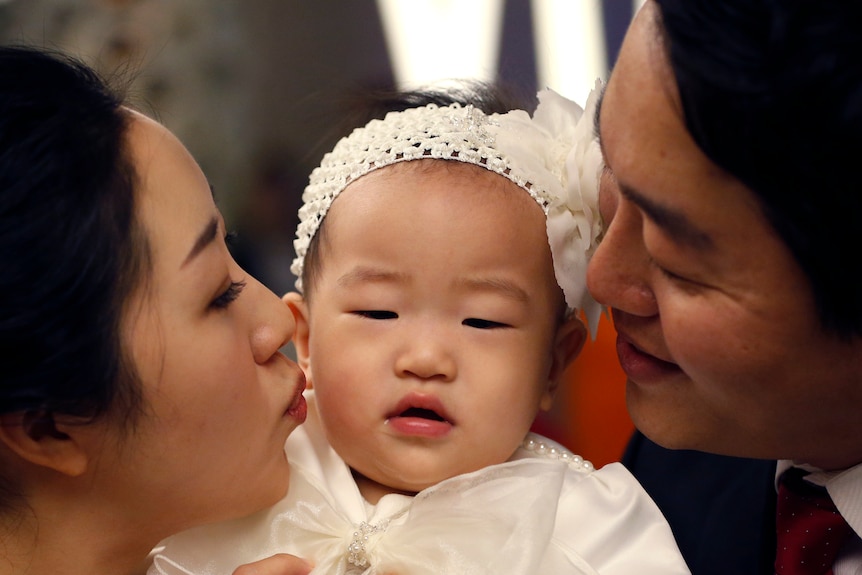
<point x="438" y="165"/>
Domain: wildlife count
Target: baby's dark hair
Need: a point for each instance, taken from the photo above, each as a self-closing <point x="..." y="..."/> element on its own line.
<point x="488" y="97"/>
<point x="772" y="92"/>
<point x="484" y="96"/>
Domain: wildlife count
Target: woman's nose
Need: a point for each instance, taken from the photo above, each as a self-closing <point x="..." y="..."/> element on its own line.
<point x="273" y="324"/>
<point x="618" y="275"/>
<point x="428" y="357"/>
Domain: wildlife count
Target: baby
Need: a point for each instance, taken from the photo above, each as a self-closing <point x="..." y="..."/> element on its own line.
<point x="442" y="258"/>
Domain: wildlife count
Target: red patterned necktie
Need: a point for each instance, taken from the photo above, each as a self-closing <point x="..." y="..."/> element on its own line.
<point x="809" y="529"/>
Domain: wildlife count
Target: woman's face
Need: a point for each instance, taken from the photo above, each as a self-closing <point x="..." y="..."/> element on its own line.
<point x="219" y="398"/>
<point x="718" y="329"/>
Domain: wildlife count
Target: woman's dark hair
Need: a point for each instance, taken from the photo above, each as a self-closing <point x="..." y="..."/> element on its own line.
<point x="772" y="92"/>
<point x="73" y="252"/>
<point x="485" y="96"/>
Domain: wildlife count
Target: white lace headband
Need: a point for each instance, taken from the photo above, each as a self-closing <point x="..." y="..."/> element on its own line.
<point x="552" y="155"/>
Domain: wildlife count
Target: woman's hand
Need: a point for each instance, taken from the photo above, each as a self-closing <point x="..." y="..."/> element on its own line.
<point x="281" y="564"/>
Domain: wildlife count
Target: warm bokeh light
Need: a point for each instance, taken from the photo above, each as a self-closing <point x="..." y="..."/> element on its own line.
<point x="570" y="45"/>
<point x="589" y="416"/>
<point x="430" y="40"/>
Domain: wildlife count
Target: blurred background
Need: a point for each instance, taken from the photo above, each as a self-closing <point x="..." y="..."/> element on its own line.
<point x="259" y="90"/>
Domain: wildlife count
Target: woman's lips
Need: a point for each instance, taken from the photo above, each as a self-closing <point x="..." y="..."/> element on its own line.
<point x="641" y="367"/>
<point x="298" y="408"/>
<point x="420" y="415"/>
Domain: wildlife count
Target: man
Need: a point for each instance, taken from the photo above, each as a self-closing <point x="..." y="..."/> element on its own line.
<point x="731" y="131"/>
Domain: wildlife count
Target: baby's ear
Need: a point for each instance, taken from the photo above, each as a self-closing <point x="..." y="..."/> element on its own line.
<point x="299" y="308"/>
<point x="39" y="439"/>
<point x="568" y="343"/>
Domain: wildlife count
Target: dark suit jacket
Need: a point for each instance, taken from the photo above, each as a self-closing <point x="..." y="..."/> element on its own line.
<point x="721" y="509"/>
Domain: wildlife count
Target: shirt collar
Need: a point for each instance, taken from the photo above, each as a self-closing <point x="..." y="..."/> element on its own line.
<point x="844" y="487"/>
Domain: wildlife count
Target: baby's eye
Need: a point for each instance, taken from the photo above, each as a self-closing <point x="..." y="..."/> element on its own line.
<point x="376" y="314"/>
<point x="483" y="323"/>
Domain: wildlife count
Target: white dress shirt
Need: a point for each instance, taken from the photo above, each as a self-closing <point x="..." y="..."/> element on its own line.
<point x="845" y="489"/>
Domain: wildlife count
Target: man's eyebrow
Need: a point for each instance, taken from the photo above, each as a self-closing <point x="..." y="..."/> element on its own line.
<point x="675" y="224"/>
<point x="206" y="237"/>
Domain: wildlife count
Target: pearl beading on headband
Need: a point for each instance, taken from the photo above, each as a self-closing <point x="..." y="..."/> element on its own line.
<point x="553" y="156"/>
<point x="450" y="133"/>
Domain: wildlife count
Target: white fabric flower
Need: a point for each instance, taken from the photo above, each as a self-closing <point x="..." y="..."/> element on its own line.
<point x="557" y="151"/>
<point x="552" y="155"/>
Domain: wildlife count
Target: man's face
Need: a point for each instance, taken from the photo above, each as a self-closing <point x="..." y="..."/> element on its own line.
<point x="718" y="329"/>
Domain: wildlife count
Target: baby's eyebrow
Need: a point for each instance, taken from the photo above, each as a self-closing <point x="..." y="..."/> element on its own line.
<point x="366" y="274"/>
<point x="500" y="286"/>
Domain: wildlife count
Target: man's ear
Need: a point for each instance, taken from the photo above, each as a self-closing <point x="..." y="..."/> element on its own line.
<point x="299" y="308"/>
<point x="568" y="343"/>
<point x="38" y="438"/>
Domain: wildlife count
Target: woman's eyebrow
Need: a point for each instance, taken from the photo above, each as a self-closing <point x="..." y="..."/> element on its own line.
<point x="206" y="237"/>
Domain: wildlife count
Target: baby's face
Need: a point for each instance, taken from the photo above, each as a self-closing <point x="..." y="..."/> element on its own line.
<point x="434" y="322"/>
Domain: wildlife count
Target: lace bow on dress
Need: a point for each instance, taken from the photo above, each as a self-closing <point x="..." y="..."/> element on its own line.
<point x="545" y="511"/>
<point x="479" y="523"/>
<point x="454" y="527"/>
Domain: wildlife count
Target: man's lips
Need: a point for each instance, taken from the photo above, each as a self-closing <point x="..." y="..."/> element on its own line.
<point x="640" y="366"/>
<point x="420" y="414"/>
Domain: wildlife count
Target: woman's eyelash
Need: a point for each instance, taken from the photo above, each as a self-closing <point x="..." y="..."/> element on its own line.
<point x="230" y="238"/>
<point x="229" y="295"/>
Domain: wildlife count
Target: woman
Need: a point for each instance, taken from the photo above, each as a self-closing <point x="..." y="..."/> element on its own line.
<point x="142" y="389"/>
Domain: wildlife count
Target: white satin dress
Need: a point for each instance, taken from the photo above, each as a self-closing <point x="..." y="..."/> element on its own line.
<point x="543" y="512"/>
